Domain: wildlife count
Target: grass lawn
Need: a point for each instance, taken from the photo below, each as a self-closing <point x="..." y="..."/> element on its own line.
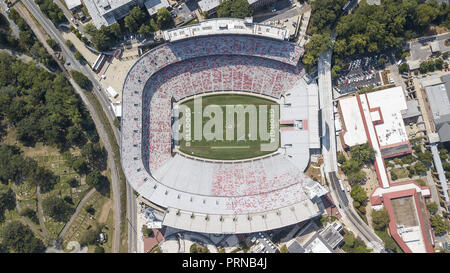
<point x="400" y="172"/>
<point x="85" y="221"/>
<point x="229" y="149"/>
<point x="389" y="242"/>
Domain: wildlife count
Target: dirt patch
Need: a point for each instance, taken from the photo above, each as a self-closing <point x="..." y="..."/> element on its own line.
<point x="105" y="211"/>
<point x="433" y="30"/>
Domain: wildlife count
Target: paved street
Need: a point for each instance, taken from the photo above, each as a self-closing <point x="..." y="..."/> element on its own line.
<point x="350" y="218"/>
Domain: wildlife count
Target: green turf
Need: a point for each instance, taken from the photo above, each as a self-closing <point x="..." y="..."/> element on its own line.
<point x="226" y="149"/>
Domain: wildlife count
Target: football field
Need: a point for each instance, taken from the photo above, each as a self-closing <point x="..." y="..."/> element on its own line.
<point x="232" y="127"/>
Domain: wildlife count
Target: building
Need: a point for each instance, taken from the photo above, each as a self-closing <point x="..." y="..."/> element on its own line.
<point x="313" y="240"/>
<point x="153" y="6"/>
<point x="376" y="118"/>
<point x="108" y="12"/>
<point x="438" y="98"/>
<point x="408" y="215"/>
<point x="73" y="5"/>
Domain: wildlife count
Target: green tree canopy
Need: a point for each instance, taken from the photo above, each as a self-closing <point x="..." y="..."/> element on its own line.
<point x="234" y="9"/>
<point x="380" y="219"/>
<point x="438" y="223"/>
<point x="20" y="239"/>
<point x="164" y="19"/>
<point x="57" y="208"/>
<point x="358" y="194"/>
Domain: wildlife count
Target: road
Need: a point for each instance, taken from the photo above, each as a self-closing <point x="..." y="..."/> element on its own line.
<point x="281" y="14"/>
<point x="132" y="221"/>
<point x="51" y="30"/>
<point x="330" y="157"/>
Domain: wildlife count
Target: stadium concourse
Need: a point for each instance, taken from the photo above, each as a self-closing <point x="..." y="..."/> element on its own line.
<point x="214" y="196"/>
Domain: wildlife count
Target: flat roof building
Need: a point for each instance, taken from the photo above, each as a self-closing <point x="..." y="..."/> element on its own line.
<point x="73" y="4"/>
<point x="108" y="12"/>
<point x="438" y="98"/>
<point x="376" y="118"/>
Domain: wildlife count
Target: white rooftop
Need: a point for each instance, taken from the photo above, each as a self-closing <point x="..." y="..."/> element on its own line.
<point x="73" y="3"/>
<point x="391" y="103"/>
<point x="226" y="25"/>
<point x="391" y="129"/>
<point x="207" y="5"/>
<point x="355" y="133"/>
<point x="153" y="6"/>
<point x="317" y="246"/>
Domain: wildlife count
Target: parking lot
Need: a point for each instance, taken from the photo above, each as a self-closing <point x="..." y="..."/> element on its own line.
<point x="184" y="13"/>
<point x="360" y="73"/>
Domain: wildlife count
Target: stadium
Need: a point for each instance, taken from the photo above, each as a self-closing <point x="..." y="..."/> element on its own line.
<point x="223" y="186"/>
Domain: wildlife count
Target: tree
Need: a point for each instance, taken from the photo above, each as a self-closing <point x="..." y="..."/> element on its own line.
<point x="425" y="14"/>
<point x="351" y="166"/>
<point x="381" y="61"/>
<point x="131" y="23"/>
<point x="234" y="9"/>
<point x="73" y="182"/>
<point x="57" y="208"/>
<point x="78" y="56"/>
<point x="145" y="30"/>
<point x="403" y="68"/>
<point x="7" y="201"/>
<point x="95" y="155"/>
<point x="432" y="207"/>
<point x="75" y="135"/>
<point x="356" y="177"/>
<point x="363" y="153"/>
<point x="426" y="157"/>
<point x="52" y="43"/>
<point x="341" y="158"/>
<point x="419" y="168"/>
<point x="81" y="80"/>
<point x="99" y="249"/>
<point x="90" y="209"/>
<point x="90" y="29"/>
<point x="164" y="18"/>
<point x="393" y="175"/>
<point x="94" y="178"/>
<point x="358" y="194"/>
<point x="438" y="223"/>
<point x="31" y="214"/>
<point x="19" y="238"/>
<point x="43" y="178"/>
<point x="380" y="219"/>
<point x="69" y="44"/>
<point x="284" y="249"/>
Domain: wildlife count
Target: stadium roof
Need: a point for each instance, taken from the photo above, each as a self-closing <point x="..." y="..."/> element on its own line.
<point x="228" y="26"/>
